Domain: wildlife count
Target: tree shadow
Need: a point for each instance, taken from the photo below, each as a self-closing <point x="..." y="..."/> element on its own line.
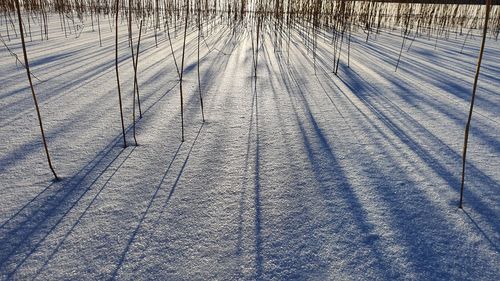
<point x="134" y="234"/>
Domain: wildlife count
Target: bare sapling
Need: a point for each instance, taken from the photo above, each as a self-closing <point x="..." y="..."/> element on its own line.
<point x="465" y="40"/>
<point x="257" y="45"/>
<point x="117" y="74"/>
<point x="135" y="70"/>
<point x="198" y="65"/>
<point x="26" y="64"/>
<point x="344" y="26"/>
<point x="29" y="25"/>
<point x="131" y="44"/>
<point x="474" y="87"/>
<point x="182" y="70"/>
<point x="157" y="22"/>
<point x="172" y="50"/>
<point x="350" y="33"/>
<point x="404" y="36"/>
<point x="99" y="26"/>
<point x="7" y="25"/>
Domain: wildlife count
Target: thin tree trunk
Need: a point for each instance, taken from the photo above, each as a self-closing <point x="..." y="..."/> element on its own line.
<point x="467" y="127"/>
<point x="199" y="81"/>
<point x="136" y="67"/>
<point x="7" y="25"/>
<point x="172" y="49"/>
<point x="117" y="75"/>
<point x="99" y="30"/>
<point x="33" y="90"/>
<point x="182" y="72"/>
<point x="404" y="37"/>
<point x="29" y="26"/>
<point x="131" y="43"/>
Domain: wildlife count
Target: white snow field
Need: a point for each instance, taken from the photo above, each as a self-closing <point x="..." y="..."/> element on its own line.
<point x="294" y="176"/>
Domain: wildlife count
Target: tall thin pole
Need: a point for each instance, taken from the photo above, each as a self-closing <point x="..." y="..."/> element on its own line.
<point x="404" y="36"/>
<point x="33" y="90"/>
<point x="199" y="81"/>
<point x="99" y="27"/>
<point x="467" y="127"/>
<point x="172" y="49"/>
<point x="118" y="76"/>
<point x="182" y="71"/>
<point x="135" y="70"/>
<point x="131" y="43"/>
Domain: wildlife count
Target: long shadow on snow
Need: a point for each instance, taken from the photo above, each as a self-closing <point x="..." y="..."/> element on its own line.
<point x="87" y="78"/>
<point x="134" y="234"/>
<point x="20" y="152"/>
<point x="26" y="236"/>
<point x="421" y="251"/>
<point x="77" y="221"/>
<point x="454" y="115"/>
<point x="359" y="86"/>
<point x="57" y="92"/>
<point x="356" y="83"/>
<point x="293" y="259"/>
<point x="39" y="217"/>
<point x="259" y="259"/>
<point x="422" y="257"/>
<point x="117" y="140"/>
<point x="208" y="75"/>
<point x="341" y="193"/>
<point x="450" y="83"/>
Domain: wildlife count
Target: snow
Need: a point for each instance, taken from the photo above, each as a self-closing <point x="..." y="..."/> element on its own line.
<point x="293" y="176"/>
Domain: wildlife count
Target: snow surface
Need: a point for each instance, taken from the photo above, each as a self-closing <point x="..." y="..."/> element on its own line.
<point x="294" y="176"/>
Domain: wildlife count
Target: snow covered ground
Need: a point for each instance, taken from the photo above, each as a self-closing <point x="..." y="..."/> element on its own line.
<point x="293" y="176"/>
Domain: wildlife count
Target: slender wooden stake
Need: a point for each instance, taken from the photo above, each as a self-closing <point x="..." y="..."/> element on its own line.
<point x="416" y="34"/>
<point x="45" y="20"/>
<point x="109" y="22"/>
<point x="41" y="25"/>
<point x="289" y="33"/>
<point x="340" y="48"/>
<point x="199" y="81"/>
<point x="465" y="40"/>
<point x="99" y="29"/>
<point x="13" y="25"/>
<point x="157" y="18"/>
<point x="182" y="71"/>
<point x="404" y="37"/>
<point x="131" y="43"/>
<point x="172" y="49"/>
<point x="350" y="32"/>
<point x="92" y="17"/>
<point x="257" y="45"/>
<point x="117" y="75"/>
<point x="314" y="38"/>
<point x="33" y="90"/>
<point x="334" y="41"/>
<point x="64" y="24"/>
<point x="7" y="25"/>
<point x="136" y="67"/>
<point x="467" y="127"/>
<point x="368" y="21"/>
<point x="60" y="21"/>
<point x="29" y="26"/>
<point x="253" y="52"/>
